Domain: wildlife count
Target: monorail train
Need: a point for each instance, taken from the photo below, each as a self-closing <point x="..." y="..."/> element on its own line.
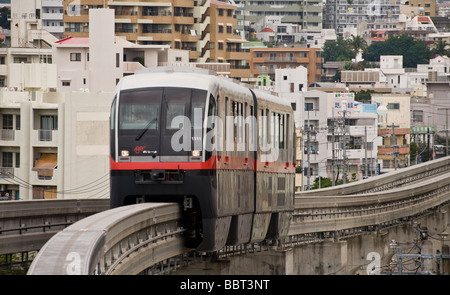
<point x="221" y="150"/>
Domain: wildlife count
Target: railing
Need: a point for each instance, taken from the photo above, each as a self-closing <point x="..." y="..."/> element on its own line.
<point x="27" y="225"/>
<point x="337" y="213"/>
<point x="7" y="134"/>
<point x="385" y="181"/>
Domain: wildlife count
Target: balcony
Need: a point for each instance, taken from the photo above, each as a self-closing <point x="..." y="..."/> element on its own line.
<point x="6" y="172"/>
<point x="7" y="134"/>
<point x="132" y="66"/>
<point x="44" y="137"/>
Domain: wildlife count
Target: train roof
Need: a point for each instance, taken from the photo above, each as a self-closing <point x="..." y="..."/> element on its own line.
<point x="191" y="78"/>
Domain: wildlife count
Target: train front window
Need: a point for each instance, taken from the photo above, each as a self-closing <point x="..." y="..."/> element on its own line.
<point x="140" y="109"/>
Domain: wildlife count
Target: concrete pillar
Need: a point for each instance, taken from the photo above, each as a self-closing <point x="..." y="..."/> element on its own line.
<point x="427" y="263"/>
<point x="446" y="261"/>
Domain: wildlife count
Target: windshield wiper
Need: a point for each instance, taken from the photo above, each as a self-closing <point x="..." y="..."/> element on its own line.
<point x="146" y="128"/>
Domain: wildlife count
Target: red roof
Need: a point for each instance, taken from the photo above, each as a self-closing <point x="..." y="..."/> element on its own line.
<point x="267" y="30"/>
<point x="71" y="40"/>
<point x="220" y="3"/>
<point x="379" y="38"/>
<point x="424" y="19"/>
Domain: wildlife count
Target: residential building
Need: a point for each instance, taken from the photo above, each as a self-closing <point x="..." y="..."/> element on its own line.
<point x="426" y="7"/>
<point x="27" y="64"/>
<point x="85" y="63"/>
<point x="224" y="44"/>
<point x="52" y="17"/>
<point x="378" y="14"/>
<point x="331" y="130"/>
<point x="206" y="30"/>
<point x="394" y="126"/>
<point x="54" y="145"/>
<point x="272" y="29"/>
<point x="281" y="58"/>
<point x="290" y="85"/>
<point x="444" y="9"/>
<point x="307" y="14"/>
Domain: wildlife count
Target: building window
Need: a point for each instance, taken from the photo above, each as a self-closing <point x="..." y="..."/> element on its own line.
<point x="7" y="121"/>
<point x="75" y="57"/>
<point x="7" y="159"/>
<point x="393" y="106"/>
<point x="417" y="116"/>
<point x="65" y="83"/>
<point x="18" y="60"/>
<point x="309" y="106"/>
<point x="17" y="160"/>
<point x="17" y="122"/>
<point x="220" y="29"/>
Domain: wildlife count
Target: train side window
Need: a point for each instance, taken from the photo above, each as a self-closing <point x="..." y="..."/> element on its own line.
<point x="238" y="115"/>
<point x="281" y="131"/>
<point x="262" y="122"/>
<point x="211" y="112"/>
<point x="288" y="135"/>
<point x="226" y="121"/>
<point x="198" y="108"/>
<point x="113" y="115"/>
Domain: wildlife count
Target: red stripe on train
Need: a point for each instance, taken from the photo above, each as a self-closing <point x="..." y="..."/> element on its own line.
<point x="215" y="162"/>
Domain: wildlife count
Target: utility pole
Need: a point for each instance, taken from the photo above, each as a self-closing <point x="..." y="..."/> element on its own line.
<point x="394" y="144"/>
<point x="344" y="148"/>
<point x="365" y="153"/>
<point x="446" y="129"/>
<point x="333" y="152"/>
<point x="308" y="147"/>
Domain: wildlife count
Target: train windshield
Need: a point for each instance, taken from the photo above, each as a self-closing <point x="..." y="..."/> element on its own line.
<point x="150" y="117"/>
<point x="140" y="109"/>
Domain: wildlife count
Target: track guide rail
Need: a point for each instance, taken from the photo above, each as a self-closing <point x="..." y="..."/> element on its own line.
<point x="115" y="241"/>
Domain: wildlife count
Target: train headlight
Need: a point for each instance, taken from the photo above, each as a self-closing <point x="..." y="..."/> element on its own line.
<point x="124" y="153"/>
<point x="196" y="153"/>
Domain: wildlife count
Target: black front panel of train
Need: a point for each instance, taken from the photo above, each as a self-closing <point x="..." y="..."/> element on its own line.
<point x="129" y="186"/>
<point x="160" y="124"/>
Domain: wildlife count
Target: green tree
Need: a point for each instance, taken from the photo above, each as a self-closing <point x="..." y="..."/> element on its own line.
<point x="357" y="44"/>
<point x="324" y="182"/>
<point x="414" y="51"/>
<point x="440" y="48"/>
<point x="338" y="50"/>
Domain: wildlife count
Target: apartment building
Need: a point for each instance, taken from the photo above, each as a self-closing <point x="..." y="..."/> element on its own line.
<point x="305" y="14"/>
<point x="285" y="58"/>
<point x="426" y="7"/>
<point x="206" y="29"/>
<point x="347" y="14"/>
<point x="395" y="127"/>
<point x="339" y="139"/>
<point x="225" y="45"/>
<point x="52" y="17"/>
<point x="54" y="145"/>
